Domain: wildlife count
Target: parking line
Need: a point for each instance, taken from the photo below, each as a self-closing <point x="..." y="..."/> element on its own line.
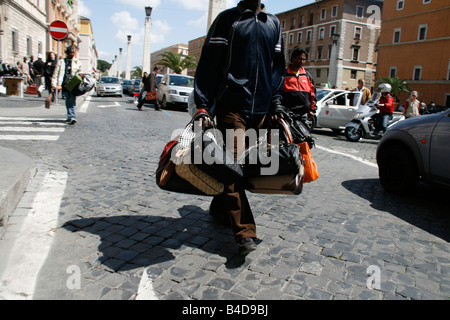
<point x="166" y="112"/>
<point x="368" y="163"/>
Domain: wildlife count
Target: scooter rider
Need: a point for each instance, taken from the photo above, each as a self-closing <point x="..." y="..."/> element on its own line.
<point x="386" y="106"/>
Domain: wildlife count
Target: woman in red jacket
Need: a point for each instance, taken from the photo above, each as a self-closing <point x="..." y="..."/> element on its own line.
<point x="386" y="106"/>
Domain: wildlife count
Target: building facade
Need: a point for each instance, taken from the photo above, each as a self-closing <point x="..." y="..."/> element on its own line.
<point x="61" y="10"/>
<point x="178" y="48"/>
<point x="87" y="53"/>
<point x="340" y="37"/>
<point x="415" y="46"/>
<point x="22" y="29"/>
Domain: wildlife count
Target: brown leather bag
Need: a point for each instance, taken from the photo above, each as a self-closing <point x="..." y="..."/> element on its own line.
<point x="280" y="183"/>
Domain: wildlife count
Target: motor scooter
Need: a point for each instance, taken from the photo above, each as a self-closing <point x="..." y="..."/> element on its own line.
<point x="365" y="120"/>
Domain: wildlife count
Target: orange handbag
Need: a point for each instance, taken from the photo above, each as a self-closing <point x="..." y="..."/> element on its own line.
<point x="311" y="170"/>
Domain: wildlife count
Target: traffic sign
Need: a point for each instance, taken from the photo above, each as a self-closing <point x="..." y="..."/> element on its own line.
<point x="58" y="30"/>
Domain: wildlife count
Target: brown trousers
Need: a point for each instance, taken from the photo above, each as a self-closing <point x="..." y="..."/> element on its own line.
<point x="234" y="203"/>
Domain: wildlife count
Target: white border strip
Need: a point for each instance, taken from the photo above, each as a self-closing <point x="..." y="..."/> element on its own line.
<point x="368" y="163"/>
<point x="34" y="240"/>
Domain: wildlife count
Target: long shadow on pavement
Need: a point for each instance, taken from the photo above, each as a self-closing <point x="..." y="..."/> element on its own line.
<point x="134" y="241"/>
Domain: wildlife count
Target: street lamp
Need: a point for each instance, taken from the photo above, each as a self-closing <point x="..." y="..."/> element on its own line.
<point x="120" y="62"/>
<point x="146" y="59"/>
<point x="334" y="64"/>
<point x="127" y="72"/>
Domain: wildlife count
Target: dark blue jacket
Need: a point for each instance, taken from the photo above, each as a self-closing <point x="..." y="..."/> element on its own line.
<point x="242" y="63"/>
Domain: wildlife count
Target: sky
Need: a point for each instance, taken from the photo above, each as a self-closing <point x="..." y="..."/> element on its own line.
<point x="173" y="22"/>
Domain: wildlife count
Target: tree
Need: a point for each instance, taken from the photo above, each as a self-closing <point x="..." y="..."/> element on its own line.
<point x="398" y="85"/>
<point x="103" y="65"/>
<point x="136" y="72"/>
<point x="175" y="61"/>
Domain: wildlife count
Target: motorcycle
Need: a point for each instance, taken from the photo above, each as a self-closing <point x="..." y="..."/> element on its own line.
<point x="365" y="120"/>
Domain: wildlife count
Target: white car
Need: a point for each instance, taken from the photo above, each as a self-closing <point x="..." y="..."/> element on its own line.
<point x="109" y="86"/>
<point x="175" y="89"/>
<point x="336" y="108"/>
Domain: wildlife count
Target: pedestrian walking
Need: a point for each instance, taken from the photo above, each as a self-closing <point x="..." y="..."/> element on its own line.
<point x="149" y="83"/>
<point x="38" y="68"/>
<point x="50" y="65"/>
<point x="240" y="72"/>
<point x="65" y="70"/>
<point x="412" y="106"/>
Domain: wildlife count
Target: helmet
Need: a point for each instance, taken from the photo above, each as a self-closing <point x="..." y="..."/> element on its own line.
<point x="384" y="87"/>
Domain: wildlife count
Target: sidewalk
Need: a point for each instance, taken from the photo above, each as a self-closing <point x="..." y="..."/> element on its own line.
<point x="17" y="169"/>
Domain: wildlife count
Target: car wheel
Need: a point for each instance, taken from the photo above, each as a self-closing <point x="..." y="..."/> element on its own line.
<point x="353" y="134"/>
<point x="397" y="169"/>
<point x="164" y="102"/>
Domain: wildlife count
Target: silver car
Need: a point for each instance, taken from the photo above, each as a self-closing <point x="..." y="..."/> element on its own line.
<point x="109" y="86"/>
<point x="175" y="89"/>
<point x="416" y="149"/>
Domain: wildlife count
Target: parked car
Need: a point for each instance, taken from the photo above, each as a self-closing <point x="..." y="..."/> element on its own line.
<point x="126" y="85"/>
<point x="135" y="87"/>
<point x="321" y="96"/>
<point x="175" y="89"/>
<point x="109" y="86"/>
<point x="336" y="108"/>
<point x="416" y="149"/>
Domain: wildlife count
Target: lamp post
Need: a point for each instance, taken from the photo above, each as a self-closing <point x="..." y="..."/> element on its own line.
<point x="120" y="62"/>
<point x="333" y="74"/>
<point x="146" y="59"/>
<point x="115" y="66"/>
<point x="127" y="72"/>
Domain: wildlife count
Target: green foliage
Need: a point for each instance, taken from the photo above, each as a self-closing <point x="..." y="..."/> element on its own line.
<point x="103" y="65"/>
<point x="176" y="62"/>
<point x="136" y="72"/>
<point x="398" y="85"/>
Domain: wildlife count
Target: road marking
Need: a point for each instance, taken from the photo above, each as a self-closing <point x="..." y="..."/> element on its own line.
<point x="116" y="104"/>
<point x="29" y="119"/>
<point x="33" y="123"/>
<point x="166" y="112"/>
<point x="145" y="290"/>
<point x="24" y="129"/>
<point x="34" y="240"/>
<point x="27" y="126"/>
<point x="368" y="163"/>
<point x="85" y="105"/>
<point x="10" y="137"/>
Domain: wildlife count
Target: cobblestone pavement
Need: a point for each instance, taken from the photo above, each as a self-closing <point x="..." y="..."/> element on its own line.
<point x="342" y="238"/>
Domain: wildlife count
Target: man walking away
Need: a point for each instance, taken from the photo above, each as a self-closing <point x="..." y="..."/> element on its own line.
<point x="240" y="72"/>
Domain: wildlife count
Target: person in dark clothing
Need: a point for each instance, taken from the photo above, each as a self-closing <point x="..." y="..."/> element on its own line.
<point x="149" y="83"/>
<point x="240" y="73"/>
<point x="49" y="68"/>
<point x="38" y="67"/>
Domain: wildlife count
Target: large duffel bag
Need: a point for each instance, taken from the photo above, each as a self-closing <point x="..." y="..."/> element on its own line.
<point x="289" y="176"/>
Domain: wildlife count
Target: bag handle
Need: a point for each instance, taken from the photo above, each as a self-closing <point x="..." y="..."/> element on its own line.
<point x="287" y="130"/>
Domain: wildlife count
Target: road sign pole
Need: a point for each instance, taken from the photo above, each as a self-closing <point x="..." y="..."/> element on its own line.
<point x="59" y="32"/>
<point x="57" y="63"/>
